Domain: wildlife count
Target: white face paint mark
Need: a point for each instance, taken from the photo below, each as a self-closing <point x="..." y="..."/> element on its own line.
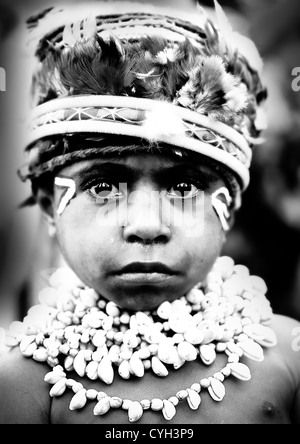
<point x="221" y="208"/>
<point x="68" y="195"/>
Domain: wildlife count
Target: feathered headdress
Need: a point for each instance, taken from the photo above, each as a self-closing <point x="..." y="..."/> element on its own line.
<point x="147" y="73"/>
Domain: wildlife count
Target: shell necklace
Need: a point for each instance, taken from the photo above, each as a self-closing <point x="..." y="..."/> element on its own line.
<point x="76" y="330"/>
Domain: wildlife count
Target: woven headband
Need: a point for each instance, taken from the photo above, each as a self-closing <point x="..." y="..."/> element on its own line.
<point x="127" y="116"/>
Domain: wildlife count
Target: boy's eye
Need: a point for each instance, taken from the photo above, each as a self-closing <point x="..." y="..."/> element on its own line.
<point x="184" y="190"/>
<point x="105" y="191"/>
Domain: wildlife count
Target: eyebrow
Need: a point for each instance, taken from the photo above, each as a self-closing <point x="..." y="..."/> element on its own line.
<point x="126" y="172"/>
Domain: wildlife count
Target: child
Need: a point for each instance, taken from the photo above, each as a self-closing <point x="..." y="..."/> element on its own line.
<point x="139" y="150"/>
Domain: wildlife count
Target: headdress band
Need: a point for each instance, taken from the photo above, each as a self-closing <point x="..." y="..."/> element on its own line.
<point x="137" y="117"/>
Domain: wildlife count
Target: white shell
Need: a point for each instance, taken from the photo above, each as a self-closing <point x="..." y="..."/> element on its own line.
<point x="112" y="310"/>
<point x="59" y="388"/>
<point x="195" y="296"/>
<point x="180" y="322"/>
<point x="194" y="400"/>
<point x="207" y="354"/>
<point x="130" y="339"/>
<point x="143" y="319"/>
<point x="102" y="407"/>
<point x="159" y="368"/>
<point x="99" y="339"/>
<point x="124" y="370"/>
<point x="106" y="371"/>
<point x="165" y="311"/>
<point x="240" y="371"/>
<point x="169" y="410"/>
<point x="264" y="336"/>
<point x="216" y="390"/>
<point x="40" y="355"/>
<point x="180" y="363"/>
<point x="208" y="327"/>
<point x="235" y="349"/>
<point x="136" y="366"/>
<point x="92" y="370"/>
<point x="187" y="351"/>
<point x="54" y="377"/>
<point x="194" y="336"/>
<point x="146" y="404"/>
<point x="116" y="403"/>
<point x="167" y="353"/>
<point x="91" y="394"/>
<point x="135" y="412"/>
<point x="157" y="405"/>
<point x="252" y="350"/>
<point x="80" y="364"/>
<point x="78" y="401"/>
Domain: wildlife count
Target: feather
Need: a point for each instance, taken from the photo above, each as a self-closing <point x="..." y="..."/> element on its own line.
<point x="68" y="37"/>
<point x="213" y="91"/>
<point x="237" y="42"/>
<point x="90" y="27"/>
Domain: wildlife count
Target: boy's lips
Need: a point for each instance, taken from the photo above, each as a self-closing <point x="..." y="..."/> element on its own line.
<point x="146" y="273"/>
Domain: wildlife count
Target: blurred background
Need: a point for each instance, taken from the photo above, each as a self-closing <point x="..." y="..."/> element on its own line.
<point x="266" y="236"/>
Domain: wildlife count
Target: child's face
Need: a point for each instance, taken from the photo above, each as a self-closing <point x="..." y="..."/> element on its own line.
<point x="145" y="209"/>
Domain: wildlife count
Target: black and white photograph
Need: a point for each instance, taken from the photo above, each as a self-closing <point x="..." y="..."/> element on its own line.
<point x="150" y="214"/>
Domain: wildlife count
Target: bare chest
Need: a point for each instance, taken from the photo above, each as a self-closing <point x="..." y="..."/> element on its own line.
<point x="263" y="400"/>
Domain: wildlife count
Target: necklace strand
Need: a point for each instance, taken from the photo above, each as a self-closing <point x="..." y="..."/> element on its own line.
<point x="75" y="330"/>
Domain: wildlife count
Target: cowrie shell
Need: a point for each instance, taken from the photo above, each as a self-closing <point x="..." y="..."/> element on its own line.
<point x="207" y="354"/>
<point x="261" y="334"/>
<point x="59" y="388"/>
<point x="143" y="319"/>
<point x="102" y="407"/>
<point x="216" y="390"/>
<point x="26" y="342"/>
<point x="165" y="311"/>
<point x="180" y="322"/>
<point x="78" y="401"/>
<point x="135" y="412"/>
<point x="187" y="351"/>
<point x="195" y="296"/>
<point x="92" y="370"/>
<point x="234" y="349"/>
<point x="240" y="371"/>
<point x="167" y="353"/>
<point x="159" y="368"/>
<point x="124" y="370"/>
<point x="194" y="400"/>
<point x="252" y="350"/>
<point x="106" y="371"/>
<point x="194" y="336"/>
<point x="80" y="364"/>
<point x="169" y="410"/>
<point x="136" y="366"/>
<point x="209" y="329"/>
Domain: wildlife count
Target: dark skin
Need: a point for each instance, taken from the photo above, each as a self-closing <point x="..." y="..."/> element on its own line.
<point x="273" y="394"/>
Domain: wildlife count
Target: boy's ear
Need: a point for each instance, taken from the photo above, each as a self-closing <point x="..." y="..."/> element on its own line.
<point x="231" y="220"/>
<point x="45" y="200"/>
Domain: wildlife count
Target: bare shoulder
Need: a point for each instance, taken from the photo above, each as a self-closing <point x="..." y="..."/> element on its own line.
<point x="288" y="334"/>
<point x="23" y="393"/>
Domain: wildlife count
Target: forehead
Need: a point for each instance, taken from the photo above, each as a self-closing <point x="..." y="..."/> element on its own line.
<point x="140" y="163"/>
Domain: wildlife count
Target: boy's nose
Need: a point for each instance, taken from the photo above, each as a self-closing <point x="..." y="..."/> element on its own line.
<point x="145" y="219"/>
